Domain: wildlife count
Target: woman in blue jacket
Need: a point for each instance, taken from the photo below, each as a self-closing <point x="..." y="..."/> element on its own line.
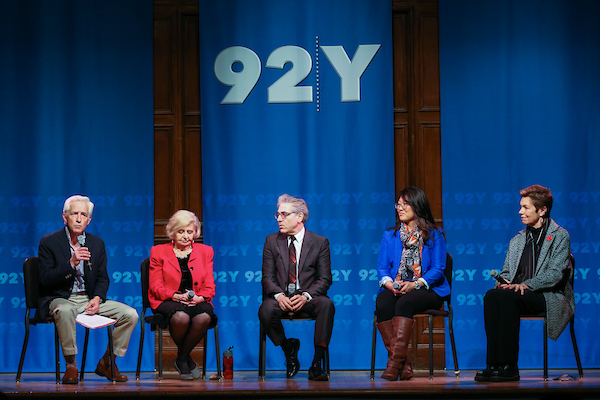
<point x="411" y="267"/>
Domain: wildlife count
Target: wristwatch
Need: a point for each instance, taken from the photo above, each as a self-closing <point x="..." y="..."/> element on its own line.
<point x="417" y="285"/>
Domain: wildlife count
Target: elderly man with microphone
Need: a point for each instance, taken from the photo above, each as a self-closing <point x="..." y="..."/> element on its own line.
<point x="73" y="280"/>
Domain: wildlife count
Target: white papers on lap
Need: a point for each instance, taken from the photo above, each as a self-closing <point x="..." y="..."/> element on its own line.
<point x="94" y="321"/>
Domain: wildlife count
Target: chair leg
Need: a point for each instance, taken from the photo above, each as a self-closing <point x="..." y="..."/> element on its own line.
<point x="545" y="349"/>
<point x="452" y="343"/>
<point x="56" y="354"/>
<point x="111" y="354"/>
<point x="373" y="348"/>
<point x="327" y="361"/>
<point x="262" y="353"/>
<point x="430" y="347"/>
<point x="139" y="360"/>
<point x="218" y="351"/>
<point x="576" y="349"/>
<point x="84" y="356"/>
<point x="24" y="350"/>
<point x="205" y="348"/>
<point x="160" y="358"/>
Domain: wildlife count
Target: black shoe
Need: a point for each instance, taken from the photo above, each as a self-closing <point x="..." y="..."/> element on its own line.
<point x="485" y="374"/>
<point x="316" y="373"/>
<point x="505" y="373"/>
<point x="291" y="358"/>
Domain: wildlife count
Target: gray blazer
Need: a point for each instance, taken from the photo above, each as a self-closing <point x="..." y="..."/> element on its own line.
<point x="551" y="275"/>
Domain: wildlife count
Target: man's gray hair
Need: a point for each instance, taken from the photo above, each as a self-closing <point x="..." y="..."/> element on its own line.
<point x="85" y="199"/>
<point x="298" y="205"/>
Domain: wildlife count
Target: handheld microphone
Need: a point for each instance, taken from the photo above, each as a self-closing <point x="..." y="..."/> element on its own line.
<point x="190" y="294"/>
<point x="81" y="240"/>
<point x="291" y="289"/>
<point x="397" y="285"/>
<point x="494" y="274"/>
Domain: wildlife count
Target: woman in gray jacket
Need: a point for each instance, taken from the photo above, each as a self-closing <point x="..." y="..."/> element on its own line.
<point x="536" y="273"/>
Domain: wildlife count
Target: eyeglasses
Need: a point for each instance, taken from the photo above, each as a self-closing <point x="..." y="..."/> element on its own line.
<point x="283" y="214"/>
<point x="401" y="206"/>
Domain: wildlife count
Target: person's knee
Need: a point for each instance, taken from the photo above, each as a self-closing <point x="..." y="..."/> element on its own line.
<point x="329" y="306"/>
<point x="131" y="316"/>
<point x="180" y="318"/>
<point x="201" y="319"/>
<point x="265" y="312"/>
<point x="494" y="296"/>
<point x="64" y="311"/>
<point x="325" y="305"/>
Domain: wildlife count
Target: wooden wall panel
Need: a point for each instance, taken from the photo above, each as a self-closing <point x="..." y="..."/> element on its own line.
<point x="427" y="60"/>
<point x="177" y="156"/>
<point x="417" y="141"/>
<point x="163" y="65"/>
<point x="402" y="66"/>
<point x="191" y="67"/>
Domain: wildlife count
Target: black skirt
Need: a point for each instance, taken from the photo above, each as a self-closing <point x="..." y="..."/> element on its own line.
<point x="169" y="307"/>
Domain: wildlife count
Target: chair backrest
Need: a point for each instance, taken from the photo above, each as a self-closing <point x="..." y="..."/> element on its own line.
<point x="448" y="273"/>
<point x="448" y="269"/>
<point x="31" y="280"/>
<point x="568" y="274"/>
<point x="145" y="278"/>
<point x="571" y="268"/>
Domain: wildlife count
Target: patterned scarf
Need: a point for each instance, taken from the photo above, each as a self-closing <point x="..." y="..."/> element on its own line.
<point x="410" y="262"/>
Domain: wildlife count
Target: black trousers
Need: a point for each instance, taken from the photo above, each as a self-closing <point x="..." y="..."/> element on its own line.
<point x="388" y="305"/>
<point x="320" y="307"/>
<point x="502" y="311"/>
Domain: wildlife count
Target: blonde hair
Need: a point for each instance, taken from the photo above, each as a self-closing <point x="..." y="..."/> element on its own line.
<point x="180" y="220"/>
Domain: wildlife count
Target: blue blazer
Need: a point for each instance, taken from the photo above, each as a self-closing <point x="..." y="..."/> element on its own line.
<point x="433" y="260"/>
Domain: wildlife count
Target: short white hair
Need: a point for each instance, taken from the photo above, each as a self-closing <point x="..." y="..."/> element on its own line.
<point x="180" y="220"/>
<point x="77" y="197"/>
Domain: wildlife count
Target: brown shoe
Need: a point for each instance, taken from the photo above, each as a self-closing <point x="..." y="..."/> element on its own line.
<point x="103" y="369"/>
<point x="407" y="371"/>
<point x="71" y="376"/>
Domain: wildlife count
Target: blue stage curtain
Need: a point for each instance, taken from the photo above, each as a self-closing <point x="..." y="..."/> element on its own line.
<point x="519" y="87"/>
<point x="328" y="140"/>
<point x="76" y="118"/>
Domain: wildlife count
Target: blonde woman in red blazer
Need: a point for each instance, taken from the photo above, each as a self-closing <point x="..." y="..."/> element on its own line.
<point x="182" y="286"/>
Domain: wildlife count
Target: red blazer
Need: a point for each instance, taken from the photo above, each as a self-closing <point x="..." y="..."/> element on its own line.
<point x="165" y="274"/>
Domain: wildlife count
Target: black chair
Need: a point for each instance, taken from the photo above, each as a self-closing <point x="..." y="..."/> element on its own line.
<point x="543" y="316"/>
<point x="430" y="314"/>
<point x="31" y="280"/>
<point x="157" y="321"/>
<point x="262" y="346"/>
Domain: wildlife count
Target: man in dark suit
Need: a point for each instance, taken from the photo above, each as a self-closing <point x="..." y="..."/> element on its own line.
<point x="296" y="274"/>
<point x="74" y="280"/>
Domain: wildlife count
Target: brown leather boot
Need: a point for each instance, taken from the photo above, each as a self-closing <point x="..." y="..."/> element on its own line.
<point x="386" y="330"/>
<point x="407" y="371"/>
<point x="399" y="345"/>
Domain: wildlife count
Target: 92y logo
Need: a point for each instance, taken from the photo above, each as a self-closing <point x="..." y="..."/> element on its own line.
<point x="286" y="89"/>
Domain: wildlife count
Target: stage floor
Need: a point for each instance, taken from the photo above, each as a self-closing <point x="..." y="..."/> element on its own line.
<point x="343" y="384"/>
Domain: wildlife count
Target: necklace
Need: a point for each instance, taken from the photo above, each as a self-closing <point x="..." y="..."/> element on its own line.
<point x="182" y="253"/>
